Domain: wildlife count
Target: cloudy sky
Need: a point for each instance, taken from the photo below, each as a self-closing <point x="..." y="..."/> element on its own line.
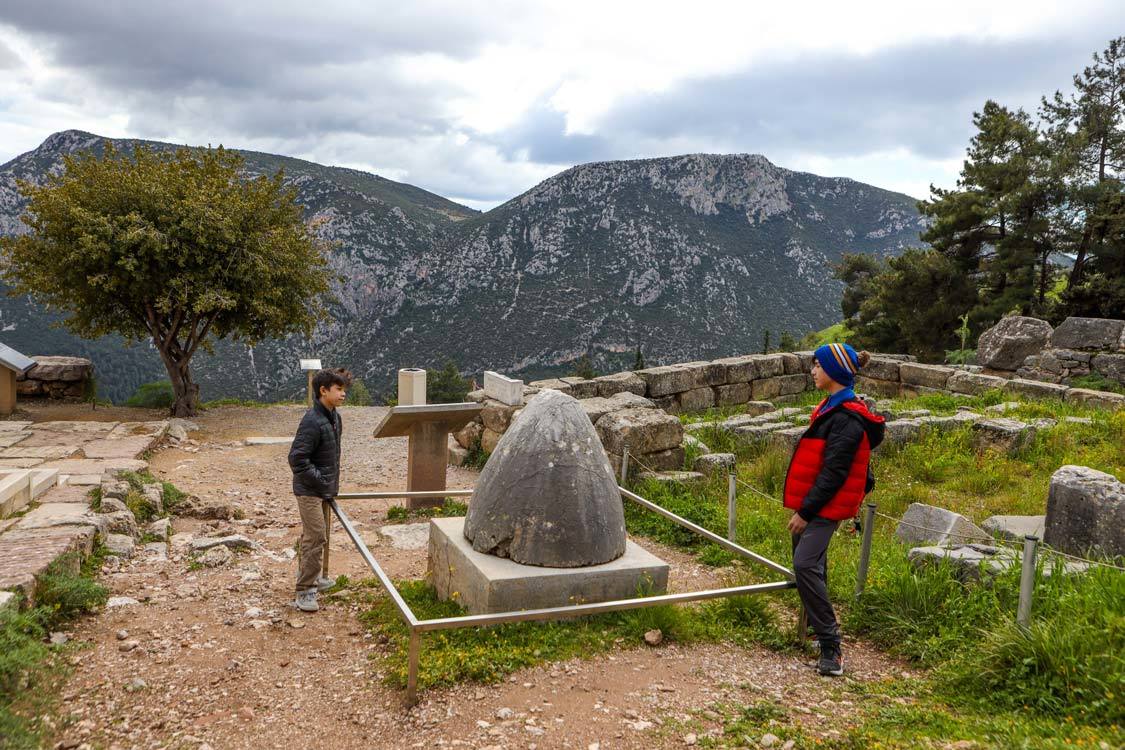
<point x="480" y="101"/>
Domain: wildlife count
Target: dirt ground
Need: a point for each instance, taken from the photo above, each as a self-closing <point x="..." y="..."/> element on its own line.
<point x="215" y="657"/>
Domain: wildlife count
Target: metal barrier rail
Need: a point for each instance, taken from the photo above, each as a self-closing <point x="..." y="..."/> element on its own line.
<point x="418" y="627"/>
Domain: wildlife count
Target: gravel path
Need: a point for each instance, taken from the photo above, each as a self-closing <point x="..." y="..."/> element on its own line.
<point x="214" y="657"/>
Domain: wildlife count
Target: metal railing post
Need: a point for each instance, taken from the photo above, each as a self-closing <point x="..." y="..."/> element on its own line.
<point x="1027" y="579"/>
<point x="732" y="509"/>
<point x="865" y="549"/>
<point x="413" y="656"/>
<point x="624" y="464"/>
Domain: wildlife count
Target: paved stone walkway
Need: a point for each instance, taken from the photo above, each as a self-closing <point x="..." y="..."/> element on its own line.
<point x="46" y="472"/>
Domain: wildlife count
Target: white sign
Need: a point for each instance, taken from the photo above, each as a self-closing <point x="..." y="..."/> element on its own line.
<point x="310" y="364"/>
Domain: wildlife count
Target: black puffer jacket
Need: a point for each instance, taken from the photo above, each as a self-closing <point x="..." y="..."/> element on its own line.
<point x="315" y="455"/>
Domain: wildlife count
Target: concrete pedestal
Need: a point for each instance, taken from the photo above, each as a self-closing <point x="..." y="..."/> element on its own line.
<point x="427" y="428"/>
<point x="484" y="583"/>
<point x="7" y="392"/>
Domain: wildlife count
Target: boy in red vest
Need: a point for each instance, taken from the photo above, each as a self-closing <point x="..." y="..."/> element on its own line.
<point x="828" y="476"/>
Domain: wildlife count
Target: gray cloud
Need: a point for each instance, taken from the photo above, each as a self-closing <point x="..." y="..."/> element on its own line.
<point x="917" y="98"/>
<point x="9" y="60"/>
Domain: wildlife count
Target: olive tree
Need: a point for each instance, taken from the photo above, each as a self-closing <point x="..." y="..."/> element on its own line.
<point x="177" y="247"/>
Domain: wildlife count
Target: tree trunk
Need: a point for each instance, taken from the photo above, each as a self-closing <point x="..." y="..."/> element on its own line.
<point x="186" y="392"/>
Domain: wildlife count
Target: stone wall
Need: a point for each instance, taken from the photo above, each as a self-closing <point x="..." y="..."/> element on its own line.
<point x="1030" y="349"/>
<point x="56" y="378"/>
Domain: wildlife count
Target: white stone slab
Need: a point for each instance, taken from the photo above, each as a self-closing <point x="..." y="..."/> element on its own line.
<point x="42" y="480"/>
<point x="486" y="583"/>
<point x="407" y="535"/>
<point x="265" y="440"/>
<point x="49" y="515"/>
<point x="9" y="601"/>
<point x="502" y="388"/>
<point x="15" y="491"/>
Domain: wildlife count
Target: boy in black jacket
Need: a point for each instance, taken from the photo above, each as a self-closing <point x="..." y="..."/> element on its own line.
<point x="315" y="461"/>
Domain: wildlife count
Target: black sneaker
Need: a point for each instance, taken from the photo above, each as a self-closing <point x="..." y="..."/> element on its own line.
<point x="831" y="661"/>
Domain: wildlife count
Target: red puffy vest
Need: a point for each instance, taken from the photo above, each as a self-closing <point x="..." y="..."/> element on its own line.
<point x="808" y="460"/>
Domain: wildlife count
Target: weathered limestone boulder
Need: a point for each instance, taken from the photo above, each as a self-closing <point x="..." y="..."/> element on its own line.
<point x="791" y="384"/>
<point x="231" y="541"/>
<point x="55" y="377"/>
<point x="489" y="439"/>
<point x="757" y="408"/>
<point x="714" y="463"/>
<point x="1015" y="528"/>
<point x="598" y="407"/>
<point x="629" y="400"/>
<point x="121" y="545"/>
<point x="1097" y="334"/>
<point x="456" y="455"/>
<point x="928" y="524"/>
<point x="1002" y="435"/>
<point x="1111" y="366"/>
<point x="469" y="435"/>
<point x="707" y="373"/>
<point x="756" y="433"/>
<point x="643" y="430"/>
<point x="672" y="477"/>
<point x="788" y="438"/>
<point x="554" y="384"/>
<point x="496" y="415"/>
<point x="766" y="388"/>
<point x="1085" y="512"/>
<point x="1008" y="343"/>
<point x="667" y="460"/>
<point x="620" y="382"/>
<point x="694" y="443"/>
<point x="927" y="376"/>
<point x="119" y="522"/>
<point x="970" y="561"/>
<point x="668" y="380"/>
<point x="547" y="496"/>
<point x="899" y="431"/>
<point x="769" y="365"/>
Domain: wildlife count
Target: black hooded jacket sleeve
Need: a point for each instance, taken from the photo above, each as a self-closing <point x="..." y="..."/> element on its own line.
<point x="845" y="434"/>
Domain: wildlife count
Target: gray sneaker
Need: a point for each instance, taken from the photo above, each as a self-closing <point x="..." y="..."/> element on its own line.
<point x="831" y="662"/>
<point x="323" y="584"/>
<point x="306" y="601"/>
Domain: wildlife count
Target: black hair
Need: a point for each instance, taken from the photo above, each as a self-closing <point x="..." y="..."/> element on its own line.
<point x="330" y="377"/>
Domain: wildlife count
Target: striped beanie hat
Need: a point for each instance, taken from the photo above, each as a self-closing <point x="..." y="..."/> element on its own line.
<point x="839" y="362"/>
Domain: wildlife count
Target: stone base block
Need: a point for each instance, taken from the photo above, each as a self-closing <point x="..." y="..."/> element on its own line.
<point x="484" y="583"/>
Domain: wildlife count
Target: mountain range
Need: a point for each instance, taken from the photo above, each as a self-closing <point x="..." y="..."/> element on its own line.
<point x="683" y="257"/>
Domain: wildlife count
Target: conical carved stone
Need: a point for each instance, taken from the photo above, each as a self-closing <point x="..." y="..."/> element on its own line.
<point x="547" y="495"/>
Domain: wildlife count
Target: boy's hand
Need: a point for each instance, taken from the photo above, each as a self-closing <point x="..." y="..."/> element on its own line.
<point x="797" y="524"/>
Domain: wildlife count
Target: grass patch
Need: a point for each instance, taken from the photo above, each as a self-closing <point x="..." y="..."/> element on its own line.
<point x="29" y="671"/>
<point x="489" y="654"/>
<point x="447" y="509"/>
<point x="1095" y="381"/>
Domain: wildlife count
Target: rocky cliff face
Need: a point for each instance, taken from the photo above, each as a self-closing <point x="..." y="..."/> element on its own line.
<point x="687" y="257"/>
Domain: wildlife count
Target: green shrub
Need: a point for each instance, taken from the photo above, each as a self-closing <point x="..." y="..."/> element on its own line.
<point x="358" y="395"/>
<point x="63" y="594"/>
<point x="157" y="395"/>
<point x="446" y="386"/>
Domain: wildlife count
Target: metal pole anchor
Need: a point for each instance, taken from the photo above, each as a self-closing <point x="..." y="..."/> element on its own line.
<point x="1027" y="580"/>
<point x="865" y="548"/>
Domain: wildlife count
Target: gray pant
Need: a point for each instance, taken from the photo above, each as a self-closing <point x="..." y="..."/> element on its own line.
<point x="315" y="527"/>
<point x="810" y="563"/>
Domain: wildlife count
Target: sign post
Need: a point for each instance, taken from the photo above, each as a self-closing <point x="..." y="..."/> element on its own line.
<point x="310" y="366"/>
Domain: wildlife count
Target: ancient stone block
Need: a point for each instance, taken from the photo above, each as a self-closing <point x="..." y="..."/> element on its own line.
<point x="881" y="368"/>
<point x="1015" y="528"/>
<point x="15" y="491"/>
<point x="970" y="561"/>
<point x="875" y="387"/>
<point x="761" y="390"/>
<point x="928" y="376"/>
<point x="1002" y="435"/>
<point x="1097" y="399"/>
<point x="1013" y="339"/>
<point x="974" y="384"/>
<point x="757" y="433"/>
<point x="456" y="455"/>
<point x="769" y="365"/>
<point x="1097" y="334"/>
<point x="673" y="477"/>
<point x="714" y="463"/>
<point x="929" y="524"/>
<point x="581" y="388"/>
<point x="1111" y="366"/>
<point x="74" y="369"/>
<point x="620" y="382"/>
<point x="738" y="369"/>
<point x="1034" y="389"/>
<point x="669" y="404"/>
<point x="668" y="380"/>
<point x="757" y="408"/>
<point x="644" y="430"/>
<point x="729" y="395"/>
<point x="667" y="460"/>
<point x="807" y="358"/>
<point x="791" y="384"/>
<point x="899" y="431"/>
<point x="231" y="541"/>
<point x="1085" y="512"/>
<point x="26" y="554"/>
<point x="788" y="438"/>
<point x="630" y="400"/>
<point x="707" y="373"/>
<point x="598" y="407"/>
<point x="697" y="399"/>
<point x="121" y="545"/>
<point x="791" y="364"/>
<point x="547" y="495"/>
<point x="553" y="383"/>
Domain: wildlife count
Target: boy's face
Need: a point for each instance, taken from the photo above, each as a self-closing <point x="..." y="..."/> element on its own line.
<point x="820" y="378"/>
<point x="333" y="396"/>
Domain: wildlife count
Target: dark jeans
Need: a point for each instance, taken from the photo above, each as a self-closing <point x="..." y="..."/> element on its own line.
<point x="810" y="563"/>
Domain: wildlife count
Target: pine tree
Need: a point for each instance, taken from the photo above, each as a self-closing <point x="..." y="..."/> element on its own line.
<point x="766" y="341"/>
<point x="639" y="360"/>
